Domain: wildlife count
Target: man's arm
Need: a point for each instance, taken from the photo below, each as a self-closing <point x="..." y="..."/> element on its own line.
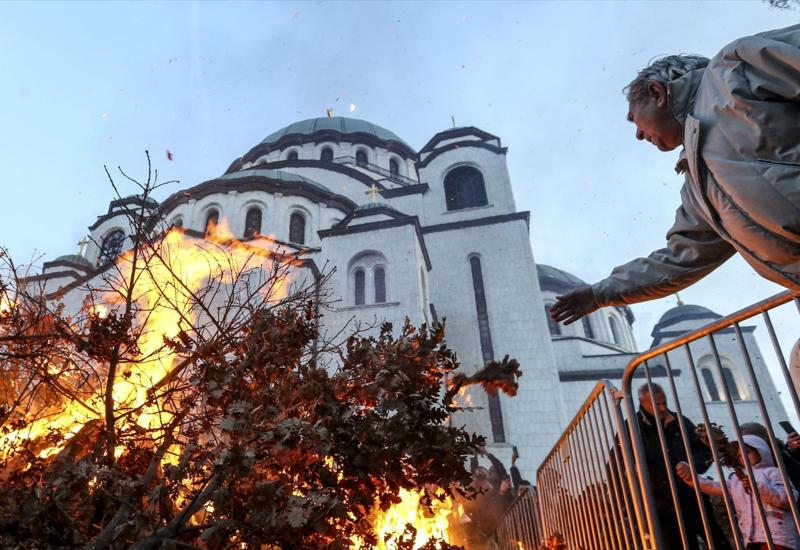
<point x="693" y="251"/>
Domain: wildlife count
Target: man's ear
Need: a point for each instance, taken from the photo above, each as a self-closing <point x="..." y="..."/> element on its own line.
<point x="658" y="92"/>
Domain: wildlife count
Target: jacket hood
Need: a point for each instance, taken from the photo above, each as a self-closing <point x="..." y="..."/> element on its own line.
<point x="682" y="92"/>
<point x="763" y="449"/>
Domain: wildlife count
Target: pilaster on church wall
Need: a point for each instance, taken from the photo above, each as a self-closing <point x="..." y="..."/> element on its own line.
<point x="534" y="418"/>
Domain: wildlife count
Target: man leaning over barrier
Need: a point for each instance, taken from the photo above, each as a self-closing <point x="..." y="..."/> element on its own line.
<point x="737" y="117"/>
<point x="662" y="494"/>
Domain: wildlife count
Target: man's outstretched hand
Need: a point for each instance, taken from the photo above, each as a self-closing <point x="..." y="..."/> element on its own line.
<point x="572" y="306"/>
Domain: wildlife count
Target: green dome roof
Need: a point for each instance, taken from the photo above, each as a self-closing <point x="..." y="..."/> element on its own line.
<point x="73" y="258"/>
<point x="342" y="125"/>
<point x="554" y="274"/>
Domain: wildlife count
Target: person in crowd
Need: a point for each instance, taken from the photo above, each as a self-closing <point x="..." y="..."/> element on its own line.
<point x="770" y="487"/>
<point x="501" y="481"/>
<point x="493" y="497"/>
<point x="647" y="417"/>
<point x="737" y="117"/>
<point x="789" y="457"/>
<point x="520" y="485"/>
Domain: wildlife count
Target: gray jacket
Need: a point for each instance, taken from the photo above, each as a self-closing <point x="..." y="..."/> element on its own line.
<point x="741" y="159"/>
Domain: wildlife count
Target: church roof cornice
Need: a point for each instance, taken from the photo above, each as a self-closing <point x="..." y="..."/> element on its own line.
<point x="476" y="222"/>
<point x="357" y="175"/>
<point x="452" y="133"/>
<point x="119" y="207"/>
<point x="379" y="225"/>
<point x="367" y="210"/>
<point x="276" y="142"/>
<point x="429" y="156"/>
<point x="260" y="180"/>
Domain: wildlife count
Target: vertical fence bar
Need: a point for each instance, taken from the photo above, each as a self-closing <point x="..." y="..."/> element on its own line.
<point x="603" y="485"/>
<point x="579" y="486"/>
<point x="577" y="521"/>
<point x="781" y="361"/>
<point x="578" y="518"/>
<point x="591" y="485"/>
<point x="614" y="465"/>
<point x="735" y="421"/>
<point x="613" y="503"/>
<point x="689" y="453"/>
<point x="619" y="464"/>
<point x="726" y="496"/>
<point x="773" y="442"/>
<point x="662" y="441"/>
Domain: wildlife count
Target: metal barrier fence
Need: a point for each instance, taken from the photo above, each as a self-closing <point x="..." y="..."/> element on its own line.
<point x="613" y="479"/>
<point x="520" y="527"/>
<point x="585" y="492"/>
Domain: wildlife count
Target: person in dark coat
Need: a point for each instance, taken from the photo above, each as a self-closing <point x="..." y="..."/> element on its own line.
<point x="662" y="494"/>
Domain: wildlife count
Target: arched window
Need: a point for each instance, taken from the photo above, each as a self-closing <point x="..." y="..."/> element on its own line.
<point x="252" y="222"/>
<point x="212" y="220"/>
<point x="297" y="228"/>
<point x="326" y="154"/>
<point x="711" y="384"/>
<point x="292" y="156"/>
<point x="394" y="168"/>
<point x="361" y="157"/>
<point x="464" y="188"/>
<point x="730" y="383"/>
<point x="178" y="222"/>
<point x="360" y="281"/>
<point x="380" y="285"/>
<point x="111" y="247"/>
<point x="555" y="328"/>
<point x="708" y="365"/>
<point x="616" y="331"/>
<point x="368" y="278"/>
<point x="588" y="332"/>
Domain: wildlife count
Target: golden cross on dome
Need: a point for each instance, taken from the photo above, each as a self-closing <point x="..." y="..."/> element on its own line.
<point x="82" y="243"/>
<point x="373" y="193"/>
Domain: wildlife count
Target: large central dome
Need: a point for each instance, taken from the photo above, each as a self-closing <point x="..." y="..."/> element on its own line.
<point x="339" y="124"/>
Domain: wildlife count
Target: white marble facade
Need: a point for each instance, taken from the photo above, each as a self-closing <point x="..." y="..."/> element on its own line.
<point x="428" y="234"/>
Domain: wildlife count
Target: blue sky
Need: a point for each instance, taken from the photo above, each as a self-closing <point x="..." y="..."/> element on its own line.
<point x="88" y="84"/>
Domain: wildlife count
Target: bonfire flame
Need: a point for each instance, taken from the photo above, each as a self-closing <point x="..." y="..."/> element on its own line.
<point x="427" y="524"/>
<point x="167" y="280"/>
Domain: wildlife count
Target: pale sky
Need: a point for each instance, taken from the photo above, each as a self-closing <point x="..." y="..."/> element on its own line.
<point x="88" y="84"/>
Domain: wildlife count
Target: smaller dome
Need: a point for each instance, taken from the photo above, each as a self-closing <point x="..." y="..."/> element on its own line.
<point x="686" y="311"/>
<point x="73" y="258"/>
<point x="339" y="124"/>
<point x="370" y="206"/>
<point x="557" y="280"/>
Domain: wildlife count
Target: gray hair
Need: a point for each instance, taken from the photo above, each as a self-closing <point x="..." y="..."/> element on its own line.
<point x="662" y="70"/>
<point x="657" y="390"/>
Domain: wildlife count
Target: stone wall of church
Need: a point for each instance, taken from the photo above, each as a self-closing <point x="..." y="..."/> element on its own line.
<point x="534" y="418"/>
<point x="398" y="251"/>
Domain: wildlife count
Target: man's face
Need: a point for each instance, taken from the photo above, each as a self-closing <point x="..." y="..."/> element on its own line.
<point x="661" y="404"/>
<point x="654" y="119"/>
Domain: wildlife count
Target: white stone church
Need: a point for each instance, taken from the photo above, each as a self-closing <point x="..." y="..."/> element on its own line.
<point x="427" y="234"/>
